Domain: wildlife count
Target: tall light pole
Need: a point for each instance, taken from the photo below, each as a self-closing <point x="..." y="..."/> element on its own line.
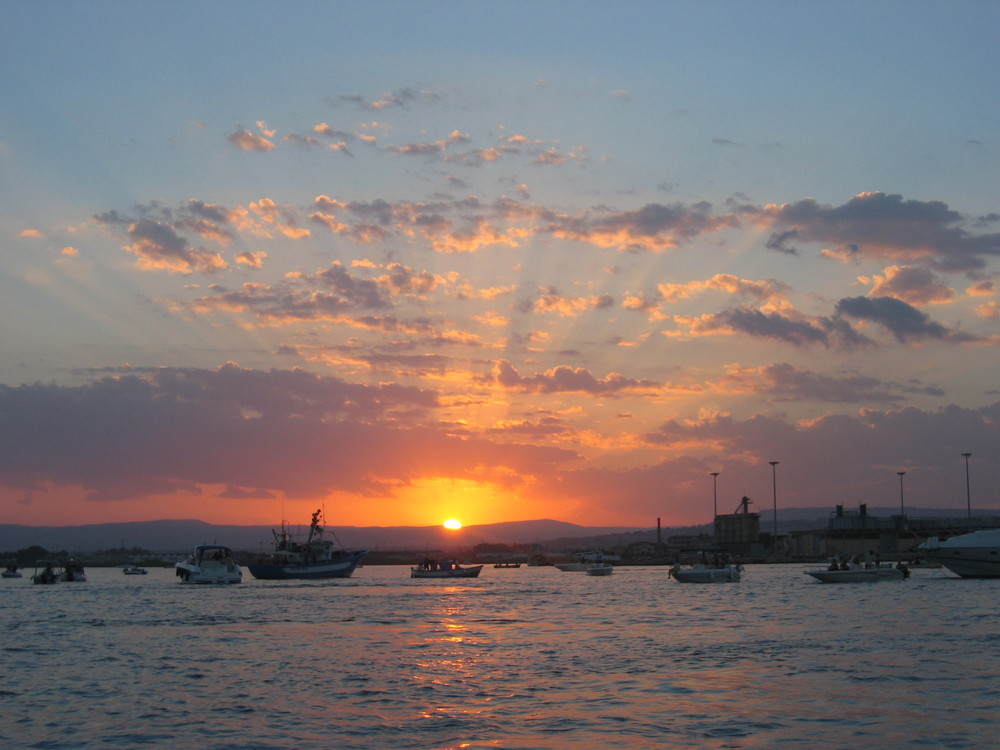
<point x="968" y="495"/>
<point x="774" y="492"/>
<point x="902" y="510"/>
<point x="715" y="495"/>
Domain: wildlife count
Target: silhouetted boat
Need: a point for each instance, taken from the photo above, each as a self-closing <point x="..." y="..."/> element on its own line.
<point x="444" y="569"/>
<point x="600" y="569"/>
<point x="11" y="571"/>
<point x="134" y="570"/>
<point x="315" y="558"/>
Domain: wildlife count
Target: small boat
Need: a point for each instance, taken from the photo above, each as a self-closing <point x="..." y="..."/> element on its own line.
<point x="134" y="570"/>
<point x="315" y="558"/>
<point x="444" y="569"/>
<point x="601" y="569"/>
<point x="707" y="566"/>
<point x="209" y="563"/>
<point x="507" y="565"/>
<point x="858" y="573"/>
<point x="46" y="571"/>
<point x="11" y="571"/>
<point x="72" y="572"/>
<point x="973" y="555"/>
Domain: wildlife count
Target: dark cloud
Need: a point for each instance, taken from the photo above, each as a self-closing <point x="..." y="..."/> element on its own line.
<point x="565" y="379"/>
<point x="903" y="321"/>
<point x="158" y="246"/>
<point x="286" y="431"/>
<point x="798" y="331"/>
<point x="785" y="382"/>
<point x="887" y="226"/>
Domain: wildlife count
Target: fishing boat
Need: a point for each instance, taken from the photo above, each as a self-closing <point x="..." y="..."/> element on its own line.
<point x="209" y="563"/>
<point x="444" y="569"/>
<point x="315" y="558"/>
<point x="973" y="555"/>
<point x="11" y="571"/>
<point x="134" y="570"/>
<point x="601" y="569"/>
<point x="507" y="565"/>
<point x="860" y="573"/>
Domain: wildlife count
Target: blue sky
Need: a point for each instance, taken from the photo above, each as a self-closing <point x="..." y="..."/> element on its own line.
<point x="524" y="260"/>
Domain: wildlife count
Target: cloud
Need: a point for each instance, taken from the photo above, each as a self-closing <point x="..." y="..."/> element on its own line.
<point x="552" y="302"/>
<point x="782" y="326"/>
<point x="903" y="321"/>
<point x="158" y="246"/>
<point x="785" y="382"/>
<point x="248" y="141"/>
<point x="325" y="295"/>
<point x="567" y="380"/>
<point x="136" y="434"/>
<point x="884" y="226"/>
<point x="760" y="291"/>
<point x="401" y="98"/>
<point x="915" y="286"/>
<point x="653" y="227"/>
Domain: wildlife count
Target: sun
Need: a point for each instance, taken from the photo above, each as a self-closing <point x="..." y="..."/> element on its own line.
<point x="452" y="523"/>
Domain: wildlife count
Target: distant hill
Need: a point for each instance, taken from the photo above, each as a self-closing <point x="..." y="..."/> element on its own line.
<point x="181" y="536"/>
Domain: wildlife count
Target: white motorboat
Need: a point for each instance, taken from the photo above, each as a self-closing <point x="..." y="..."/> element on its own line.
<point x="706" y="566"/>
<point x="584" y="561"/>
<point x="73" y="572"/>
<point x="444" y="569"/>
<point x="601" y="569"/>
<point x="11" y="571"/>
<point x="859" y="573"/>
<point x="973" y="555"/>
<point x="209" y="563"/>
<point x="46" y="571"/>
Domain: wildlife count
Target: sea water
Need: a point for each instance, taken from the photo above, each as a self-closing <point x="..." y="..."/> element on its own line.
<point x="518" y="658"/>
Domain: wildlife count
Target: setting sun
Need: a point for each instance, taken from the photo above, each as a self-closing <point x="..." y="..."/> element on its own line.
<point x="451" y="523"/>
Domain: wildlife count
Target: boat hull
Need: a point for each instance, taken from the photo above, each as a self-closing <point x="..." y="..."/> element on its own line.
<point x="341" y="568"/>
<point x="600" y="570"/>
<point x="862" y="575"/>
<point x="707" y="575"/>
<point x="975" y="555"/>
<point x="472" y="572"/>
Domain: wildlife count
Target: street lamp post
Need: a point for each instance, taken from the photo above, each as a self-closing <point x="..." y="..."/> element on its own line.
<point x="715" y="495"/>
<point x="774" y="492"/>
<point x="968" y="495"/>
<point x="715" y="507"/>
<point x="902" y="510"/>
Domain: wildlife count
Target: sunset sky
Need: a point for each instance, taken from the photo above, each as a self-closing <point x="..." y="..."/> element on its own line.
<point x="411" y="261"/>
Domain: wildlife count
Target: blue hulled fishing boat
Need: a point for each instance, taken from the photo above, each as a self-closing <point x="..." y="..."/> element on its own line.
<point x="314" y="558"/>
